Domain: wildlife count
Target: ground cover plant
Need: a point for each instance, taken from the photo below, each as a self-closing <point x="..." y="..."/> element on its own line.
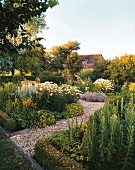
<point x="107" y="140"/>
<point x="94" y="96"/>
<point x="10" y="159"/>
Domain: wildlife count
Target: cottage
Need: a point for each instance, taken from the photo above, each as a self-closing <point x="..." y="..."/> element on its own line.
<point x="88" y="61"/>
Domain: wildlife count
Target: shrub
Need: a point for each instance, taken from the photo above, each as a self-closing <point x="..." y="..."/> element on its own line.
<point x="6" y="91"/>
<point x="54" y="98"/>
<point x="10" y="124"/>
<point x="69" y="141"/>
<point x="51" y="158"/>
<point x="6" y="121"/>
<point x="86" y="85"/>
<point x="109" y="142"/>
<point x="24" y="111"/>
<point x="3" y="117"/>
<point x="94" y="96"/>
<point x="84" y="74"/>
<point x="45" y="118"/>
<point x="59" y="139"/>
<point x="73" y="110"/>
<point x="104" y="84"/>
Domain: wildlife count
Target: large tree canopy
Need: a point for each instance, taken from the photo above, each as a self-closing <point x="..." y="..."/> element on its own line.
<point x="122" y="69"/>
<point x="60" y="53"/>
<point x="13" y="15"/>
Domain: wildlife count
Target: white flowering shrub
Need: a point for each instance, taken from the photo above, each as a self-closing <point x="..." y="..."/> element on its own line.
<point x="53" y="97"/>
<point x="104" y="84"/>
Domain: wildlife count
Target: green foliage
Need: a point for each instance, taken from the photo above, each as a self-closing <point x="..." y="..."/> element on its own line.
<point x="24" y="111"/>
<point x="73" y="63"/>
<point x="53" y="97"/>
<point x="122" y="69"/>
<point x="6" y="91"/>
<point x="6" y="121"/>
<point x="61" y="53"/>
<point x="22" y="13"/>
<point x="109" y="141"/>
<point x="69" y="141"/>
<point x="45" y="118"/>
<point x="73" y="110"/>
<point x="51" y="158"/>
<point x="54" y="77"/>
<point x="100" y="70"/>
<point x="59" y="139"/>
<point x="55" y="102"/>
<point x="84" y="74"/>
<point x="10" y="124"/>
<point x="10" y="157"/>
<point x="87" y="85"/>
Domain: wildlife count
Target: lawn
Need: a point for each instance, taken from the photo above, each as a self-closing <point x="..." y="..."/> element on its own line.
<point x="10" y="159"/>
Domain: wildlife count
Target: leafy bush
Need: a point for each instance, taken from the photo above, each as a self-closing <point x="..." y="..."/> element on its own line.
<point x="6" y="121"/>
<point x="109" y="141"/>
<point x="59" y="139"/>
<point x="94" y="96"/>
<point x="10" y="124"/>
<point x="69" y="142"/>
<point x="84" y="74"/>
<point x="53" y="97"/>
<point x="73" y="110"/>
<point x="6" y="91"/>
<point x="104" y="84"/>
<point x="45" y="118"/>
<point x="86" y="85"/>
<point x="52" y="77"/>
<point x="24" y="111"/>
<point x="51" y="158"/>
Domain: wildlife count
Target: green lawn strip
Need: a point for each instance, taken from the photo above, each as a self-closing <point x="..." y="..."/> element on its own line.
<point x="10" y="159"/>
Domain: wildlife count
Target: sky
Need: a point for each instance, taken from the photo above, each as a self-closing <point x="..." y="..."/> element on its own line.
<point x="104" y="27"/>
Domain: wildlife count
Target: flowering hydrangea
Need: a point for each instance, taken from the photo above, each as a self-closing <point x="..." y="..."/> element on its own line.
<point x="104" y="84"/>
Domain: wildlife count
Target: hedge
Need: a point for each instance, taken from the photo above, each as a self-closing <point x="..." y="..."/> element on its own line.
<point x="50" y="158"/>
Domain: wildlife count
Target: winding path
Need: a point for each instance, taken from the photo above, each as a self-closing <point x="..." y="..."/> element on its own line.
<point x="27" y="140"/>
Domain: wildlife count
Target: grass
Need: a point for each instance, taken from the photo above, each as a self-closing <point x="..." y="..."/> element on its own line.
<point x="10" y="159"/>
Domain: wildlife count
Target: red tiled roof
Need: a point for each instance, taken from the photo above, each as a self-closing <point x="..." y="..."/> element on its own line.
<point x="90" y="59"/>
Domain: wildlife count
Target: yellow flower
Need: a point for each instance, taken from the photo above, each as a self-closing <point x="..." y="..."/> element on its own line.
<point x="132" y="87"/>
<point x="15" y="102"/>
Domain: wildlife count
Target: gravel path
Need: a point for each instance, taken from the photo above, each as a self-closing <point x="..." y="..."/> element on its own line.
<point x="27" y="140"/>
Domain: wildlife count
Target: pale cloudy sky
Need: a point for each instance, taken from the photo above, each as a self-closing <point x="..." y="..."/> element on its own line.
<point x="105" y="27"/>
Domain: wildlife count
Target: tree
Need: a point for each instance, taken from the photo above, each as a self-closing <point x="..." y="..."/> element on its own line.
<point x="60" y="53"/>
<point x="100" y="70"/>
<point x="73" y="63"/>
<point x="122" y="69"/>
<point x="31" y="61"/>
<point x="13" y="16"/>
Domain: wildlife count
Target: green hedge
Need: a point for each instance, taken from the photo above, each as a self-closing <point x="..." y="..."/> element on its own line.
<point x="15" y="79"/>
<point x="50" y="158"/>
<point x="6" y="121"/>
